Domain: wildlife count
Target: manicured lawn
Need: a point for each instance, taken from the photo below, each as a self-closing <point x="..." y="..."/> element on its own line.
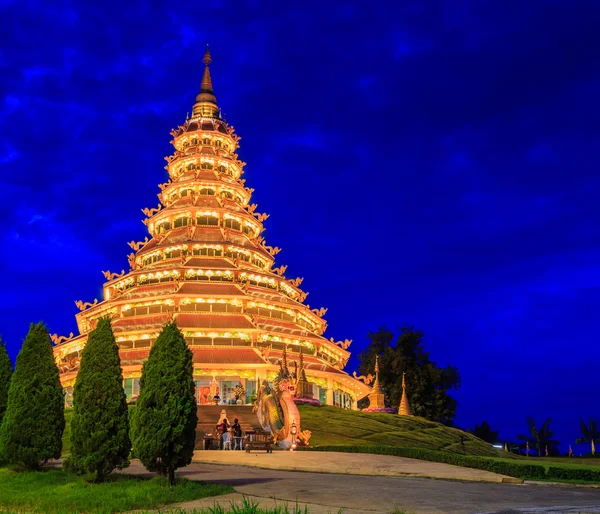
<point x="55" y="491"/>
<point x="335" y="427"/>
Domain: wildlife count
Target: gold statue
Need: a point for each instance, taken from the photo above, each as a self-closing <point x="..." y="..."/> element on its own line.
<point x="319" y="312"/>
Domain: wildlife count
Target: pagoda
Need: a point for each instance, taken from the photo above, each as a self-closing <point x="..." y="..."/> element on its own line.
<point x="206" y="264"/>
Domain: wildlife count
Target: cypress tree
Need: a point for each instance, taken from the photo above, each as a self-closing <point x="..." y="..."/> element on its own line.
<point x="5" y="374"/>
<point x="164" y="421"/>
<point x="100" y="424"/>
<point x="32" y="427"/>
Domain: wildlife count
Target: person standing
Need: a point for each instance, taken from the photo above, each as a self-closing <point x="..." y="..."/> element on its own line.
<point x="236" y="432"/>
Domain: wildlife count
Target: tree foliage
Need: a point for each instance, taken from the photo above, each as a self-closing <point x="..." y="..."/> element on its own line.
<point x="540" y="438"/>
<point x="164" y="421"/>
<point x="100" y="424"/>
<point x="32" y="427"/>
<point x="428" y="384"/>
<point x="485" y="433"/>
<point x="589" y="434"/>
<point x="5" y="375"/>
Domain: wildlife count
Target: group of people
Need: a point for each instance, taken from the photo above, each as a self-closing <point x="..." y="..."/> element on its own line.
<point x="228" y="433"/>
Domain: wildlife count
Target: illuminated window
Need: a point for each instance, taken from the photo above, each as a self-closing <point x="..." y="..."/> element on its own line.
<point x="207" y="192"/>
<point x="207" y="220"/>
<point x="233" y="224"/>
<point x="181" y="222"/>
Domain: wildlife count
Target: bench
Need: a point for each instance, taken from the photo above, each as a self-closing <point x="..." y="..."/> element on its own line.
<point x="259" y="441"/>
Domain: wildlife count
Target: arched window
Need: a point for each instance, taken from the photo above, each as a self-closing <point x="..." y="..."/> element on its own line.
<point x="191" y="166"/>
<point x="207" y="192"/>
<point x="206" y="166"/>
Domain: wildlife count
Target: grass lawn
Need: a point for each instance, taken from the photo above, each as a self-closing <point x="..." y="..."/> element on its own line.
<point x="55" y="491"/>
<point x="337" y="427"/>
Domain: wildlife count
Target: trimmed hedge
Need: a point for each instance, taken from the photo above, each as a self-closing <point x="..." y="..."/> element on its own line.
<point x="589" y="475"/>
<point x="516" y="469"/>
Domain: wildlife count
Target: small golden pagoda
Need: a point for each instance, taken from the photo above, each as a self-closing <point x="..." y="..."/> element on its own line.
<point x="207" y="265"/>
<point x="404" y="409"/>
<point x="376" y="396"/>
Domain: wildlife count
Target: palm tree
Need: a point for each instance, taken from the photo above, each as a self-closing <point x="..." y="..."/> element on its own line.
<point x="589" y="433"/>
<point x="541" y="438"/>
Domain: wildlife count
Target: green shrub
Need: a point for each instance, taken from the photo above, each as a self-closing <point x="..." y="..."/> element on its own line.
<point x="514" y="469"/>
<point x="564" y="473"/>
<point x="163" y="425"/>
<point x="32" y="427"/>
<point x="100" y="424"/>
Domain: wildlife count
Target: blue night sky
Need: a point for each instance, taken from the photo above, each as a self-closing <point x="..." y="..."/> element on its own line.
<point x="429" y="163"/>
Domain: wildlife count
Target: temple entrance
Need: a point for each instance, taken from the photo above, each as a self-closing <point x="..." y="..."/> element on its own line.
<point x="208" y="417"/>
<point x="228" y="389"/>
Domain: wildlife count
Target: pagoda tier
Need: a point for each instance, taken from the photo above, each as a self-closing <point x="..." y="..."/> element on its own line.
<point x="206" y="265"/>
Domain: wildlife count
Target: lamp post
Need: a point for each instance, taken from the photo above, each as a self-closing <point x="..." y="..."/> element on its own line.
<point x="293" y="431"/>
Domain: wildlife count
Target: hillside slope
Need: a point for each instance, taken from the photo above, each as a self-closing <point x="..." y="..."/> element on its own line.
<point x="334" y="426"/>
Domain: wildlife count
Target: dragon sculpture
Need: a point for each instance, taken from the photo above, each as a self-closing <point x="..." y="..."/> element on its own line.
<point x="83" y="306"/>
<point x="344" y="345"/>
<point x="279" y="271"/>
<point x="111" y="276"/>
<point x="56" y="339"/>
<point x="275" y="407"/>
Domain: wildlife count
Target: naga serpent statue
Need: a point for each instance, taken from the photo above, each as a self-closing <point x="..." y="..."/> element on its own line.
<point x="276" y="410"/>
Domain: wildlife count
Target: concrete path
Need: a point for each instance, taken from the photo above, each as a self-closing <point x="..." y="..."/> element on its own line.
<point x="350" y="464"/>
<point x="355" y="494"/>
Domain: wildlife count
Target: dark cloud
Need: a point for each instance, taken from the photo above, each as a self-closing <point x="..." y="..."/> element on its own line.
<point x="427" y="163"/>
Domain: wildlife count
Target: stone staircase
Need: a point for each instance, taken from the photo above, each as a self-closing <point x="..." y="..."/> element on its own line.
<point x="208" y="415"/>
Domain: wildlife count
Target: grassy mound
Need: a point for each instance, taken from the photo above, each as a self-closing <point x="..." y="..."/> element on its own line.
<point x="55" y="491"/>
<point x="331" y="426"/>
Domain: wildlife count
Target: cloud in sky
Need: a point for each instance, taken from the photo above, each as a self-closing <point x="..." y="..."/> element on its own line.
<point x="436" y="166"/>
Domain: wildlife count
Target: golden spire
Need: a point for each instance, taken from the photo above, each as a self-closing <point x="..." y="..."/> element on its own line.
<point x="404" y="409"/>
<point x="206" y="101"/>
<point x="376" y="385"/>
<point x="376" y="396"/>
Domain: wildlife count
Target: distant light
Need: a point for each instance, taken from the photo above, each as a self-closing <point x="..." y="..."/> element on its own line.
<point x="497" y="446"/>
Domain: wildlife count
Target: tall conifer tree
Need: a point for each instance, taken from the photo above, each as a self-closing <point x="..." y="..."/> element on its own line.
<point x="32" y="427"/>
<point x="164" y="421"/>
<point x="5" y="374"/>
<point x="100" y="425"/>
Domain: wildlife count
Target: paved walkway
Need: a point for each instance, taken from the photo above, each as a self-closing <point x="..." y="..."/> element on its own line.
<point x="349" y="464"/>
<point x="354" y="494"/>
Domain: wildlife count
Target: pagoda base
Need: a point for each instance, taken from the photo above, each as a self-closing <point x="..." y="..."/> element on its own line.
<point x="307" y="401"/>
<point x="387" y="410"/>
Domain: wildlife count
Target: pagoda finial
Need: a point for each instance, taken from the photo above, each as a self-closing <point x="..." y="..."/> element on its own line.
<point x="207" y="59"/>
<point x="206" y="101"/>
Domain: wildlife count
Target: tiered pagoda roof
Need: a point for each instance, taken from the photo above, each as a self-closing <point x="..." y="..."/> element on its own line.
<point x="206" y="264"/>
